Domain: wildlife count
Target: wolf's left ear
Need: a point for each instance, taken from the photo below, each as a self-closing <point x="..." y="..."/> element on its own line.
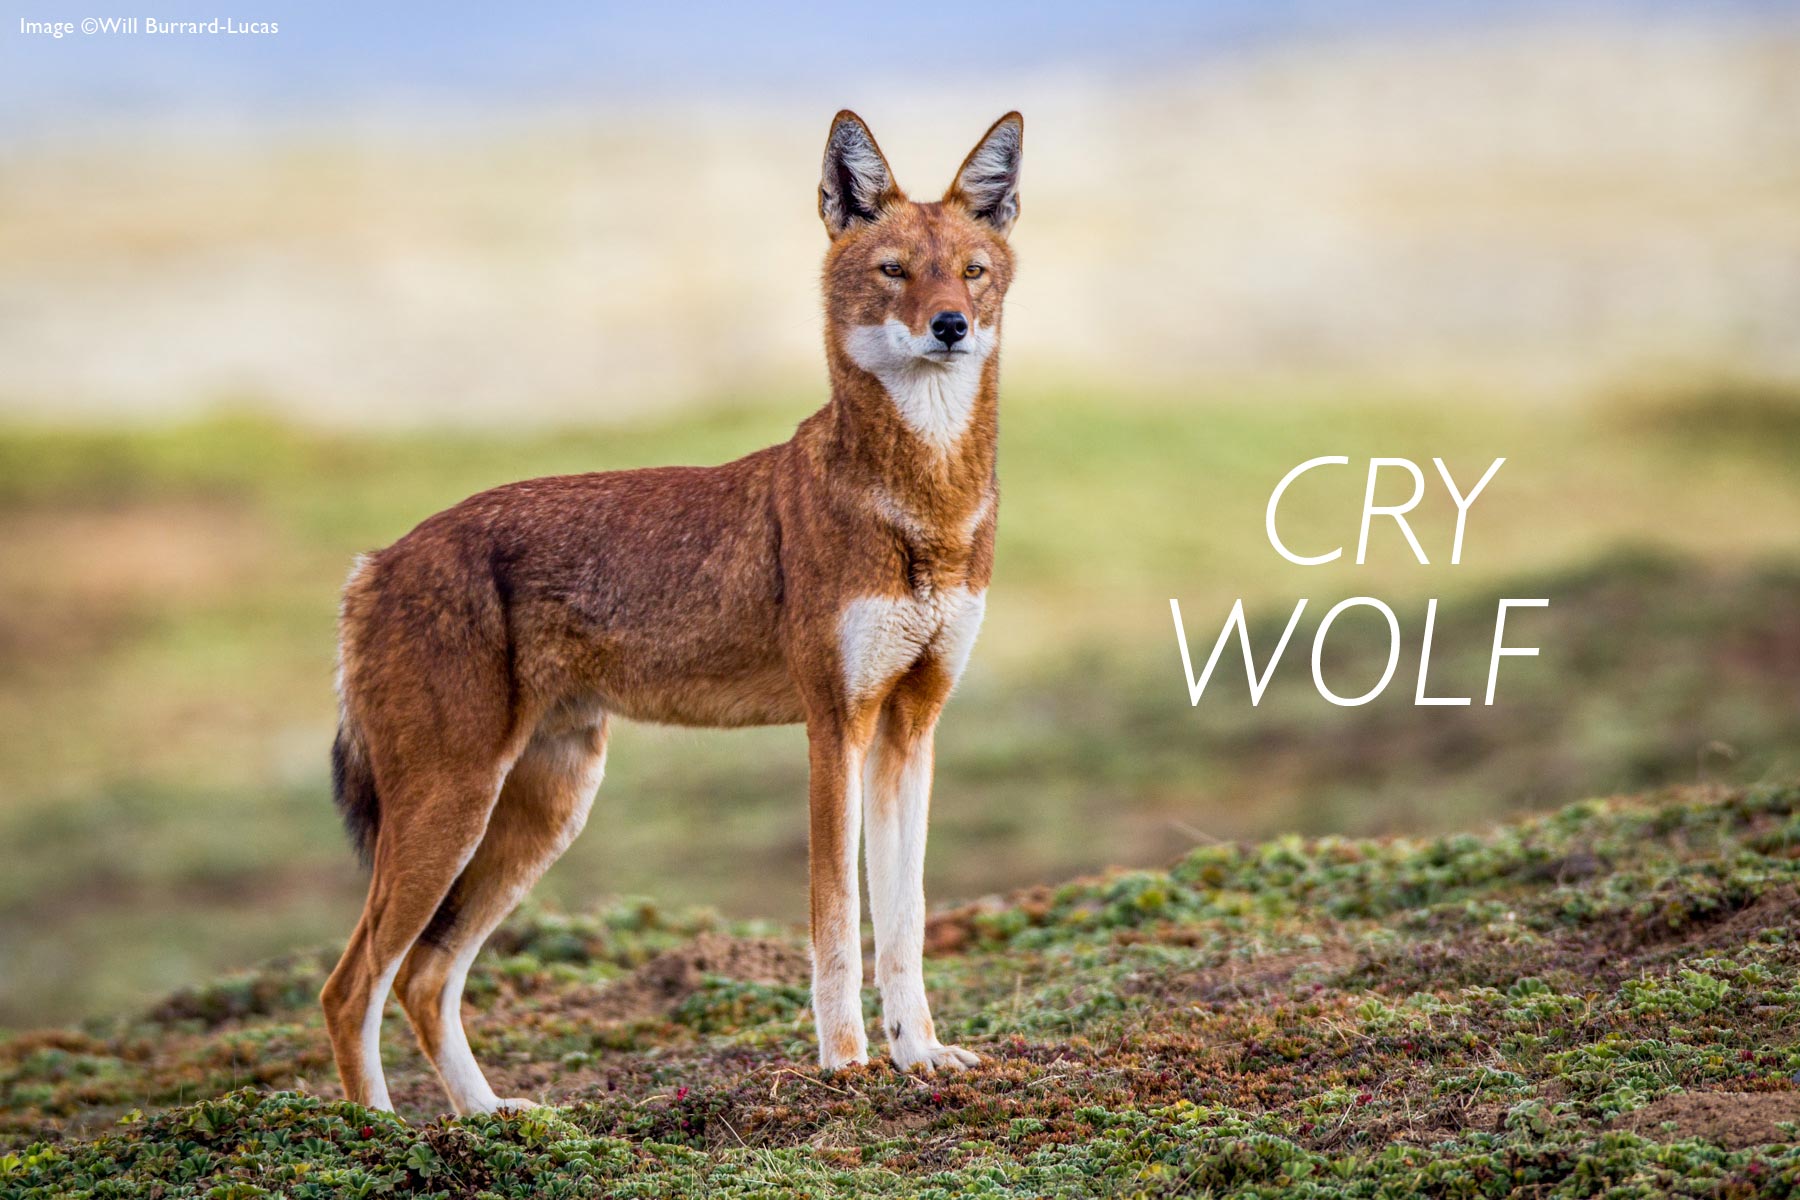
<point x="855" y="183"/>
<point x="988" y="182"/>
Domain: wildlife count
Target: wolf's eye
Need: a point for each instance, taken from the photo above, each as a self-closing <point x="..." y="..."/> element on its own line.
<point x="974" y="271"/>
<point x="893" y="270"/>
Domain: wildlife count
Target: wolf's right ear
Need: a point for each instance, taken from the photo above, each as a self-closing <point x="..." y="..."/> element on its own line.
<point x="855" y="183"/>
<point x="987" y="184"/>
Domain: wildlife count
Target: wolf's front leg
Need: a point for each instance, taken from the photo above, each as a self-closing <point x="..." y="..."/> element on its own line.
<point x="897" y="800"/>
<point x="836" y="822"/>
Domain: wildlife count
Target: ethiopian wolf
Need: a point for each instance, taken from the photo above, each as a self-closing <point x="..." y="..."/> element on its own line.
<point x="837" y="579"/>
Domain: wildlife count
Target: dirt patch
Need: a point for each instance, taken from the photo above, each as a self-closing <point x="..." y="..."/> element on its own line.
<point x="954" y="930"/>
<point x="1414" y="1124"/>
<point x="175" y="551"/>
<point x="1268" y="976"/>
<point x="75" y="583"/>
<point x="1777" y="908"/>
<point x="19" y="1048"/>
<point x="1731" y="1119"/>
<point x="659" y="986"/>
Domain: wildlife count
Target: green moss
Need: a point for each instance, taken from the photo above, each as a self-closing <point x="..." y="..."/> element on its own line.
<point x="1457" y="1016"/>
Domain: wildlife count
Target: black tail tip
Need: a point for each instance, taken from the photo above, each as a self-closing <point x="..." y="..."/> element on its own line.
<point x="353" y="787"/>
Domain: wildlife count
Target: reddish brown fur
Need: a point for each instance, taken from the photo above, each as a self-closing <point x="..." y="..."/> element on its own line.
<point x="483" y="652"/>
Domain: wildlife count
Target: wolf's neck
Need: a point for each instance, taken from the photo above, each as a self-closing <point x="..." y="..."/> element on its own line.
<point x="927" y="436"/>
<point x="934" y="400"/>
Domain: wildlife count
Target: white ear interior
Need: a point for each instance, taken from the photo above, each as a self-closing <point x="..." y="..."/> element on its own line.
<point x="853" y="179"/>
<point x="990" y="179"/>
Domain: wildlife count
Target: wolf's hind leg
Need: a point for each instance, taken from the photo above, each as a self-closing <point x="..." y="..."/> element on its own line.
<point x="543" y="806"/>
<point x="431" y="825"/>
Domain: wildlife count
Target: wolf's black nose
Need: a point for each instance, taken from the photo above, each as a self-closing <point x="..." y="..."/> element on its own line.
<point x="949" y="328"/>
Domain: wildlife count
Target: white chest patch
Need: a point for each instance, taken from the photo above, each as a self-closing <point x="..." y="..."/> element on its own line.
<point x="934" y="395"/>
<point x="881" y="637"/>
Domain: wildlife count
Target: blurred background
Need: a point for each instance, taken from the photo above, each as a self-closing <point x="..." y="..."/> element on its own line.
<point x="266" y="301"/>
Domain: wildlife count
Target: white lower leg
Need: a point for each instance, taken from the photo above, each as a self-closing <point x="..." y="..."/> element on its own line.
<point x="462" y="1078"/>
<point x="371" y="1040"/>
<point x="837" y="947"/>
<point x="896" y="836"/>
<point x="897" y="825"/>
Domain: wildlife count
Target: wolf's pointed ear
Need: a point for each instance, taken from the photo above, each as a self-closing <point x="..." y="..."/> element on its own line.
<point x="988" y="182"/>
<point x="855" y="183"/>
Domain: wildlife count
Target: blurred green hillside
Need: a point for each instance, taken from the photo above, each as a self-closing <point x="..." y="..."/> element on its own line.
<point x="168" y="593"/>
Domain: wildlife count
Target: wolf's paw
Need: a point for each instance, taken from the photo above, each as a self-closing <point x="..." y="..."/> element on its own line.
<point x="843" y="1062"/>
<point x="845" y="1047"/>
<point x="516" y="1105"/>
<point x="930" y="1057"/>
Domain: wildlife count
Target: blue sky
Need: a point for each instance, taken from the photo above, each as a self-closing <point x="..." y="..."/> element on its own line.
<point x="340" y="57"/>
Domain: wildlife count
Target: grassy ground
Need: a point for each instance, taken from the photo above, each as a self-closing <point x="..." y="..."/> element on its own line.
<point x="1596" y="1002"/>
<point x="167" y="599"/>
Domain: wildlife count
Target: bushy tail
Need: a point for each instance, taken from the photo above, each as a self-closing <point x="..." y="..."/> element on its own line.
<point x="353" y="787"/>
